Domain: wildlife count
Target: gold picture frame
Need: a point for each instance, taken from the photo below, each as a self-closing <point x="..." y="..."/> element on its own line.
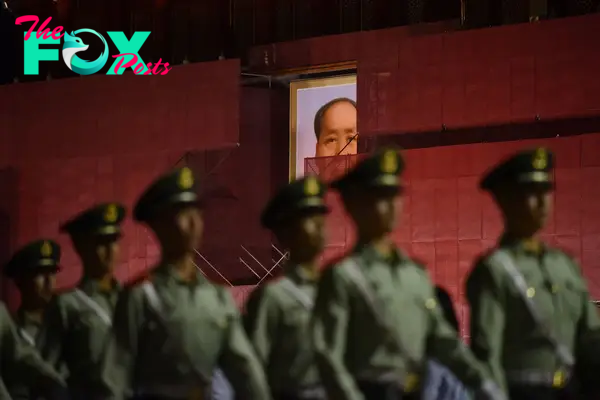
<point x="295" y="86"/>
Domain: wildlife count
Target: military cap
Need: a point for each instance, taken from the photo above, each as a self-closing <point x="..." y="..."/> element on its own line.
<point x="176" y="187"/>
<point x="379" y="171"/>
<point x="102" y="220"/>
<point x="529" y="167"/>
<point x="39" y="256"/>
<point x="300" y="197"/>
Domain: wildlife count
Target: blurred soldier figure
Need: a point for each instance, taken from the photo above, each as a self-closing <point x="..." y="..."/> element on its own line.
<point x="441" y="384"/>
<point x="174" y="328"/>
<point x="376" y="318"/>
<point x="78" y="322"/>
<point x="278" y="312"/>
<point x="529" y="303"/>
<point x="21" y="367"/>
<point x="33" y="269"/>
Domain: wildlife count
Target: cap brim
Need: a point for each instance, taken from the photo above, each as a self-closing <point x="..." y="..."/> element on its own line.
<point x="536" y="179"/>
<point x="381" y="188"/>
<point x="43" y="267"/>
<point x="183" y="198"/>
<point x="302" y="210"/>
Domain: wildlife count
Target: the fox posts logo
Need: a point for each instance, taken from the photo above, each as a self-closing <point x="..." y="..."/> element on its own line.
<point x="128" y="49"/>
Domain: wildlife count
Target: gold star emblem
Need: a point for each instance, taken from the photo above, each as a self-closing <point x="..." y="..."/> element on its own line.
<point x="186" y="179"/>
<point x="46" y="249"/>
<point x="311" y="186"/>
<point x="111" y="214"/>
<point x="540" y="159"/>
<point x="389" y="162"/>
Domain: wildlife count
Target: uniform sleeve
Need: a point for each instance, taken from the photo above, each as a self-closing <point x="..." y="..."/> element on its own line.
<point x="53" y="334"/>
<point x="261" y="323"/>
<point x="588" y="326"/>
<point x="487" y="319"/>
<point x="238" y="360"/>
<point x="329" y="331"/>
<point x="118" y="365"/>
<point x="23" y="360"/>
<point x="444" y="345"/>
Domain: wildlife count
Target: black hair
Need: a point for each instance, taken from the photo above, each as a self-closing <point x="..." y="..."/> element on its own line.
<point x="324" y="108"/>
<point x="447" y="307"/>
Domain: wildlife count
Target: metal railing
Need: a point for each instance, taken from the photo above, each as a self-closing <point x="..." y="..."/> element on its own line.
<point x="261" y="273"/>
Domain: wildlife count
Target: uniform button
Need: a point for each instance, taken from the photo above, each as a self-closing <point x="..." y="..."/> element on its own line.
<point x="430" y="303"/>
<point x="555" y="288"/>
<point x="530" y="292"/>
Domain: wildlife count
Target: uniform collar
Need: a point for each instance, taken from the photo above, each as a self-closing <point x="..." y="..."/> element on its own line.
<point x="302" y="275"/>
<point x="168" y="272"/>
<point x="531" y="246"/>
<point x="368" y="251"/>
<point x="93" y="286"/>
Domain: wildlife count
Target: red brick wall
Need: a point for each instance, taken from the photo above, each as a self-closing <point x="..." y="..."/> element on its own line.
<point x="419" y="78"/>
<point x="79" y="141"/>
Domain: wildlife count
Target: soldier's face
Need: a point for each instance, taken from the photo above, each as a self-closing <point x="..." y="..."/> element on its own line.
<point x="375" y="213"/>
<point x="45" y="285"/>
<point x="308" y="235"/>
<point x="99" y="254"/>
<point x="107" y="253"/>
<point x="39" y="286"/>
<point x="528" y="210"/>
<point x="188" y="226"/>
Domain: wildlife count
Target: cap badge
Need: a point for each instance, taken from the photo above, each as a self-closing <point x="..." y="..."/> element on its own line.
<point x="311" y="186"/>
<point x="46" y="249"/>
<point x="111" y="214"/>
<point x="540" y="159"/>
<point x="389" y="162"/>
<point x="186" y="179"/>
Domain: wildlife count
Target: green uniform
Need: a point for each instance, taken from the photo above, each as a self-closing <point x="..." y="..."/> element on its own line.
<point x="21" y="363"/>
<point x="28" y="329"/>
<point x="78" y="323"/>
<point x="36" y="258"/>
<point x="147" y="359"/>
<point x="376" y="320"/>
<point x="353" y="348"/>
<point x="277" y="323"/>
<point x="503" y="333"/>
<point x="170" y="334"/>
<point x="528" y="300"/>
<point x="278" y="312"/>
<point x="77" y="327"/>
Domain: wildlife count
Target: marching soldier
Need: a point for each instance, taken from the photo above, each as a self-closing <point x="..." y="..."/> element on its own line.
<point x="22" y="369"/>
<point x="376" y="320"/>
<point x="278" y="313"/>
<point x="173" y="329"/>
<point x="530" y="306"/>
<point x="33" y="269"/>
<point x="78" y="322"/>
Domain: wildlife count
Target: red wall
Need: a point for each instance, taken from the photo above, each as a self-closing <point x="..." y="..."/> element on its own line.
<point x="447" y="221"/>
<point x="413" y="79"/>
<point x="75" y="142"/>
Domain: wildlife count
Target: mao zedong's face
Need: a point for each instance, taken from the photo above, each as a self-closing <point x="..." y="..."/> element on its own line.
<point x="338" y="129"/>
